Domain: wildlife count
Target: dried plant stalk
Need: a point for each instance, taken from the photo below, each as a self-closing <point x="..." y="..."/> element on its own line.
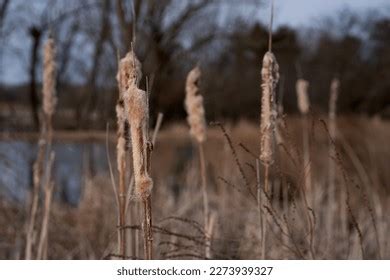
<point x="334" y="92"/>
<point x="197" y="122"/>
<point x="44" y="147"/>
<point x="137" y="113"/>
<point x="48" y="189"/>
<point x="269" y="78"/>
<point x="125" y="70"/>
<point x="37" y="176"/>
<point x="303" y="106"/>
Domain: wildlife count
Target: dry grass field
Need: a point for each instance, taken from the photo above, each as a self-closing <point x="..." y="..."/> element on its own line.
<point x="349" y="224"/>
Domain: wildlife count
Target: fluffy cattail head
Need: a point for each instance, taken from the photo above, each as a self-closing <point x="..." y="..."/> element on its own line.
<point x="334" y="92"/>
<point x="129" y="72"/>
<point x="194" y="106"/>
<point x="49" y="78"/>
<point x="302" y="94"/>
<point x="270" y="78"/>
<point x="137" y="114"/>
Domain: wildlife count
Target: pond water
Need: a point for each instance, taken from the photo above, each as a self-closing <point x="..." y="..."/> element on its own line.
<point x="17" y="158"/>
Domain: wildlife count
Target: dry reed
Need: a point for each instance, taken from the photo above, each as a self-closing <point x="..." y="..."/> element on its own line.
<point x="43" y="165"/>
<point x="269" y="80"/>
<point x="137" y="113"/>
<point x="334" y="92"/>
<point x="197" y="122"/>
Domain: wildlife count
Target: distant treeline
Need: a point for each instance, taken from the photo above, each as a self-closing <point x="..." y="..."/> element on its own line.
<point x="171" y="37"/>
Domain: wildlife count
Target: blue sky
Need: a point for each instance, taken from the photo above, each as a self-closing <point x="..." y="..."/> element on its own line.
<point x="302" y="12"/>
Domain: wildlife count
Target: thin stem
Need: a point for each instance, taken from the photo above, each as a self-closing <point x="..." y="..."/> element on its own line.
<point x="205" y="197"/>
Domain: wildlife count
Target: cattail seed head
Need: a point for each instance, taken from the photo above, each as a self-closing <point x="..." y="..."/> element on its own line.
<point x="194" y="106"/>
<point x="270" y="78"/>
<point x="137" y="113"/>
<point x="129" y="72"/>
<point x="49" y="78"/>
<point x="303" y="98"/>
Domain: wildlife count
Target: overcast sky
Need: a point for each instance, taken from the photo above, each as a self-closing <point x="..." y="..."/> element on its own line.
<point x="302" y="12"/>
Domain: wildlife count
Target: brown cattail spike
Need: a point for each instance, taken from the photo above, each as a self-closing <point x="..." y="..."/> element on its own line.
<point x="129" y="72"/>
<point x="303" y="98"/>
<point x="194" y="106"/>
<point x="137" y="113"/>
<point x="270" y="78"/>
<point x="49" y="78"/>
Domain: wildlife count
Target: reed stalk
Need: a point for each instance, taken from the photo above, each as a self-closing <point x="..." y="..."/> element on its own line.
<point x="137" y="114"/>
<point x="197" y="122"/>
<point x="332" y="204"/>
<point x="43" y="164"/>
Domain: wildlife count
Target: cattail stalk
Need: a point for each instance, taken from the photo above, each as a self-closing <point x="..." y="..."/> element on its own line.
<point x="48" y="189"/>
<point x="122" y="77"/>
<point x="334" y="92"/>
<point x="197" y="122"/>
<point x="44" y="148"/>
<point x="137" y="113"/>
<point x="270" y="78"/>
<point x="303" y="106"/>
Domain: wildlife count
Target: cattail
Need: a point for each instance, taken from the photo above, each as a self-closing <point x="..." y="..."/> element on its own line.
<point x="194" y="106"/>
<point x="303" y="98"/>
<point x="197" y="121"/>
<point x="334" y="92"/>
<point x="44" y="146"/>
<point x="49" y="78"/>
<point x="137" y="114"/>
<point x="129" y="72"/>
<point x="270" y="78"/>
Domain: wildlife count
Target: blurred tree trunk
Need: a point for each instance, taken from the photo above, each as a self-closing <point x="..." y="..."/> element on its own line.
<point x="91" y="100"/>
<point x="36" y="35"/>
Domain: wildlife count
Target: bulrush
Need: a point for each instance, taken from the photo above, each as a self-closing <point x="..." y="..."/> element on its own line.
<point x="197" y="121"/>
<point x="137" y="114"/>
<point x="334" y="92"/>
<point x="124" y="68"/>
<point x="270" y="78"/>
<point x="49" y="79"/>
<point x="194" y="106"/>
<point x="303" y="99"/>
<point x="41" y="173"/>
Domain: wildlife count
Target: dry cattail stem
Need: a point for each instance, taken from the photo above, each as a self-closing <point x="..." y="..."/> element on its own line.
<point x="269" y="78"/>
<point x="197" y="122"/>
<point x="44" y="146"/>
<point x="303" y="106"/>
<point x="125" y="68"/>
<point x="48" y="189"/>
<point x="334" y="92"/>
<point x="137" y="113"/>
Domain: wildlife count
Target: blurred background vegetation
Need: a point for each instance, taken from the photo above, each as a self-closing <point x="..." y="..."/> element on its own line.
<point x="225" y="37"/>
